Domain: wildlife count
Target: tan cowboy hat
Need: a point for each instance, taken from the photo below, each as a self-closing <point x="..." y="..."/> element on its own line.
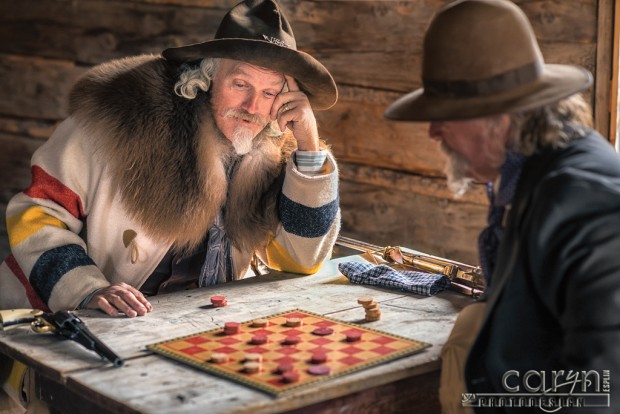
<point x="481" y="58"/>
<point x="256" y="31"/>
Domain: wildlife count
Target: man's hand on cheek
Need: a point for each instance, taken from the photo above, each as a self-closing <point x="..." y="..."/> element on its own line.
<point x="292" y="110"/>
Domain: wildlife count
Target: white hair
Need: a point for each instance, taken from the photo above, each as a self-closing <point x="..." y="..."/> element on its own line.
<point x="194" y="78"/>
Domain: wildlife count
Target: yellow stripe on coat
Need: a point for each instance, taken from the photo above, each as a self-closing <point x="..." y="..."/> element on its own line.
<point x="279" y="259"/>
<point x="28" y="222"/>
<point x="12" y="374"/>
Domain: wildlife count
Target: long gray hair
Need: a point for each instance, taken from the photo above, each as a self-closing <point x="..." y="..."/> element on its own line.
<point x="540" y="128"/>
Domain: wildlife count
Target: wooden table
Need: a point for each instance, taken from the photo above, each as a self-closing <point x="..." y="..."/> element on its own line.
<point x="75" y="380"/>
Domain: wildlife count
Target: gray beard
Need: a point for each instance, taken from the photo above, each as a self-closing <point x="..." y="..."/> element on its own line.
<point x="455" y="169"/>
<point x="243" y="138"/>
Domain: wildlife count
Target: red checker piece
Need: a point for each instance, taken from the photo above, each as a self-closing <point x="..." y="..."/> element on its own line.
<point x="290" y="376"/>
<point x="282" y="368"/>
<point x="231" y="328"/>
<point x="291" y="340"/>
<point x="354" y="336"/>
<point x="258" y="340"/>
<point x="218" y="301"/>
<point x="323" y="331"/>
<point x="318" y="357"/>
<point x="319" y="370"/>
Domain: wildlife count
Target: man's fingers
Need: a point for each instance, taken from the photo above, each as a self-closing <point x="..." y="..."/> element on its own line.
<point x="146" y="303"/>
<point x="134" y="305"/>
<point x="122" y="298"/>
<point x="119" y="303"/>
<point x="104" y="305"/>
<point x="136" y="299"/>
<point x="282" y="124"/>
<point x="286" y="114"/>
<point x="292" y="83"/>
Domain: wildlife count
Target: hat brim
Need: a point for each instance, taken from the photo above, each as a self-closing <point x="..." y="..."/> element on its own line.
<point x="313" y="78"/>
<point x="557" y="82"/>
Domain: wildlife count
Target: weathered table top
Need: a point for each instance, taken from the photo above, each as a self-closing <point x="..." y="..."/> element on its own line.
<point x="152" y="384"/>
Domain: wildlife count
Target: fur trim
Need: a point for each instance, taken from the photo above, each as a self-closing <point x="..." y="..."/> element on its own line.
<point x="168" y="160"/>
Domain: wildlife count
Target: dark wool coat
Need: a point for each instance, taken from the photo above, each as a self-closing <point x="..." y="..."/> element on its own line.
<point x="555" y="303"/>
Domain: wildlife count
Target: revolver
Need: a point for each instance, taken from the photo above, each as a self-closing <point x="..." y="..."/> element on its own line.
<point x="61" y="323"/>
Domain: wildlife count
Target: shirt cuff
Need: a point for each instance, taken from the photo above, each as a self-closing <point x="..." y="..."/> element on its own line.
<point x="87" y="299"/>
<point x="310" y="162"/>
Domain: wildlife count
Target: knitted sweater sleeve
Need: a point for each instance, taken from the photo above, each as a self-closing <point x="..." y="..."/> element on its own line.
<point x="49" y="267"/>
<point x="310" y="221"/>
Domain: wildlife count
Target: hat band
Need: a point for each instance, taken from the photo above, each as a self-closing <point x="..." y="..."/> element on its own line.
<point x="276" y="41"/>
<point x="489" y="86"/>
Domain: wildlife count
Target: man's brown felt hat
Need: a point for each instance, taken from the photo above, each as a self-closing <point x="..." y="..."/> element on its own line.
<point x="256" y="32"/>
<point x="481" y="58"/>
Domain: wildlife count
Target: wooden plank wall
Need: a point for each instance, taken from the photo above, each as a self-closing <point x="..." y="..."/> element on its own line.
<point x="392" y="186"/>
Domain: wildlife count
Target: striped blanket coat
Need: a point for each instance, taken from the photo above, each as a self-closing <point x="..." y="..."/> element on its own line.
<point x="135" y="171"/>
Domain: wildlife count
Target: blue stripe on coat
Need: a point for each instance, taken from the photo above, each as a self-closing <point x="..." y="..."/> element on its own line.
<point x="54" y="264"/>
<point x="306" y="221"/>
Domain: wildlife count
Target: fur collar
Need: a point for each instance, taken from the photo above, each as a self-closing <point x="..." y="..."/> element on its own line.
<point x="168" y="160"/>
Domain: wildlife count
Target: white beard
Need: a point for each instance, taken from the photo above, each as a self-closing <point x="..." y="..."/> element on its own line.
<point x="242" y="140"/>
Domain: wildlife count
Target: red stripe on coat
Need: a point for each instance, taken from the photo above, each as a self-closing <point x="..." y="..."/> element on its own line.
<point x="33" y="298"/>
<point x="49" y="188"/>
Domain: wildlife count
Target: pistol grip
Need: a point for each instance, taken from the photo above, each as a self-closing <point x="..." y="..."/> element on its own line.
<point x="9" y="317"/>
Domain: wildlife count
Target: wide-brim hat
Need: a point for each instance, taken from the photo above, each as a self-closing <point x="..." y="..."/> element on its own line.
<point x="257" y="32"/>
<point x="481" y="58"/>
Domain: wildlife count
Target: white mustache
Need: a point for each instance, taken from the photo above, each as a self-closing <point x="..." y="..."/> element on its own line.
<point x="242" y="115"/>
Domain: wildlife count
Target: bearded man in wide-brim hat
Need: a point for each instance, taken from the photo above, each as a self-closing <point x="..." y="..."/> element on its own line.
<point x="505" y="118"/>
<point x="178" y="171"/>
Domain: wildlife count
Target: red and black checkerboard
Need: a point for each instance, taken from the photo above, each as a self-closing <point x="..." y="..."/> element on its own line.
<point x="344" y="354"/>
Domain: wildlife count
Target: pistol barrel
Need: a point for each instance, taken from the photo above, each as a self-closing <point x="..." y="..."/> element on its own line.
<point x="72" y="327"/>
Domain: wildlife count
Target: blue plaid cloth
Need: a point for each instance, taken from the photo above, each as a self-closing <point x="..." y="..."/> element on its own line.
<point x="491" y="236"/>
<point x="420" y="283"/>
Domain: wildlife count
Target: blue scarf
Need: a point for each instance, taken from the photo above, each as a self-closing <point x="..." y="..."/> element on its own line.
<point x="217" y="266"/>
<point x="491" y="236"/>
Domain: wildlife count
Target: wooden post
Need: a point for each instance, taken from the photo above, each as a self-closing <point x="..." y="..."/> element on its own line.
<point x="604" y="69"/>
<point x="613" y="127"/>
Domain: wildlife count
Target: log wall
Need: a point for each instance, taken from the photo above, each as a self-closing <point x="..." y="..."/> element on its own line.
<point x="391" y="180"/>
